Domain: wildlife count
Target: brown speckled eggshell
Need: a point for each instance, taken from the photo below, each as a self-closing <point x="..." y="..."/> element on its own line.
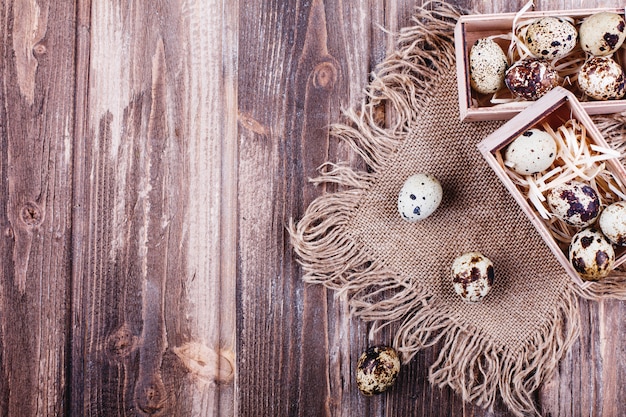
<point x="532" y="152"/>
<point x="602" y="33"/>
<point x="574" y="202"/>
<point x="613" y="223"/>
<point x="530" y="79"/>
<point x="377" y="370"/>
<point x="591" y="254"/>
<point x="602" y="78"/>
<point x="487" y="66"/>
<point x="472" y="276"/>
<point x="551" y="37"/>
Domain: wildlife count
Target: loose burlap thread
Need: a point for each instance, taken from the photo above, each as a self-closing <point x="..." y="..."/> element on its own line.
<point x="354" y="241"/>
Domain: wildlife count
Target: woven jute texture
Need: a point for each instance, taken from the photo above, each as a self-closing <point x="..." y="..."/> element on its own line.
<point x="354" y="241"/>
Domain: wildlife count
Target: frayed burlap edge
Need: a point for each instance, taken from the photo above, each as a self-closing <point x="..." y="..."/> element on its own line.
<point x="469" y="362"/>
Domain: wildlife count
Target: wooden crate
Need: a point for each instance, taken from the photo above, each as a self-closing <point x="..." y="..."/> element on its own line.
<point x="474" y="106"/>
<point x="555" y="108"/>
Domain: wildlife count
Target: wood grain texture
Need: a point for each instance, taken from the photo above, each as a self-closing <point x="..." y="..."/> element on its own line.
<point x="153" y="153"/>
<point x="36" y="125"/>
<point x="154" y="290"/>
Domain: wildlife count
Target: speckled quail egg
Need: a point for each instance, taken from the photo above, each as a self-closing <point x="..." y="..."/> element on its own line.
<point x="487" y="66"/>
<point x="550" y="37"/>
<point x="602" y="33"/>
<point x="574" y="202"/>
<point x="591" y="254"/>
<point x="377" y="370"/>
<point x="419" y="197"/>
<point x="531" y="79"/>
<point x="613" y="223"/>
<point x="602" y="78"/>
<point x="472" y="276"/>
<point x="531" y="152"/>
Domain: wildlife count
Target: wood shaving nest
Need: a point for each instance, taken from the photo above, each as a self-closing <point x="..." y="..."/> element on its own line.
<point x="578" y="159"/>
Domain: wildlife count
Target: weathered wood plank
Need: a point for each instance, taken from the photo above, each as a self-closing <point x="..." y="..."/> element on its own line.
<point x="154" y="283"/>
<point x="289" y="81"/>
<point x="36" y="124"/>
<point x="80" y="227"/>
<point x="210" y="116"/>
<point x="334" y="47"/>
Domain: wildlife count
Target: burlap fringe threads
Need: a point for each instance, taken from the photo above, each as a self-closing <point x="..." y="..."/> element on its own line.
<point x="468" y="361"/>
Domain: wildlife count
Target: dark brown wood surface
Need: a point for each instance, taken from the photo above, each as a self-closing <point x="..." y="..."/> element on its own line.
<point x="153" y="153"/>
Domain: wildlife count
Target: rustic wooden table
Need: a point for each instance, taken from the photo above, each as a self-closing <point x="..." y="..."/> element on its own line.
<point x="153" y="153"/>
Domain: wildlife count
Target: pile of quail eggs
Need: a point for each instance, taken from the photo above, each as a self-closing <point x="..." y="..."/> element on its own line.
<point x="550" y="47"/>
<point x="598" y="231"/>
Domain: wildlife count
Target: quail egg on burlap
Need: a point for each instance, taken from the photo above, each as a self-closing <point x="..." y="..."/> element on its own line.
<point x="472" y="276"/>
<point x="487" y="66"/>
<point x="531" y="79"/>
<point x="550" y="37"/>
<point x="377" y="370"/>
<point x="532" y="152"/>
<point x="574" y="202"/>
<point x="602" y="78"/>
<point x="613" y="223"/>
<point x="419" y="197"/>
<point x="602" y="33"/>
<point x="591" y="254"/>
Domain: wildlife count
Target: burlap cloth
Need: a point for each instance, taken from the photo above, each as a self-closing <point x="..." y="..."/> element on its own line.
<point x="354" y="241"/>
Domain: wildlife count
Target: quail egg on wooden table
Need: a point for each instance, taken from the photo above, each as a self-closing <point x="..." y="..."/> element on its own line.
<point x="487" y="66"/>
<point x="574" y="202"/>
<point x="602" y="78"/>
<point x="419" y="197"/>
<point x="613" y="223"/>
<point x="531" y="79"/>
<point x="591" y="254"/>
<point x="602" y="33"/>
<point x="472" y="276"/>
<point x="532" y="152"/>
<point x="377" y="370"/>
<point x="550" y="37"/>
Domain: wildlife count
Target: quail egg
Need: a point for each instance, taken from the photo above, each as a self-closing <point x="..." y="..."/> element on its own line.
<point x="602" y="78"/>
<point x="574" y="202"/>
<point x="550" y="37"/>
<point x="602" y="33"/>
<point x="487" y="66"/>
<point x="531" y="152"/>
<point x="613" y="223"/>
<point x="591" y="254"/>
<point x="530" y="79"/>
<point x="377" y="370"/>
<point x="472" y="276"/>
<point x="419" y="197"/>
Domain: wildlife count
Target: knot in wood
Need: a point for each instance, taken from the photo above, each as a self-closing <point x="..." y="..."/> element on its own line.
<point x="325" y="75"/>
<point x="39" y="49"/>
<point x="207" y="364"/>
<point x="31" y="214"/>
<point x="121" y="343"/>
<point x="150" y="395"/>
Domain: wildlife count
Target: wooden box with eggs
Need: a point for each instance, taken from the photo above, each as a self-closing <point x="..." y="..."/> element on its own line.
<point x="505" y="62"/>
<point x="568" y="181"/>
